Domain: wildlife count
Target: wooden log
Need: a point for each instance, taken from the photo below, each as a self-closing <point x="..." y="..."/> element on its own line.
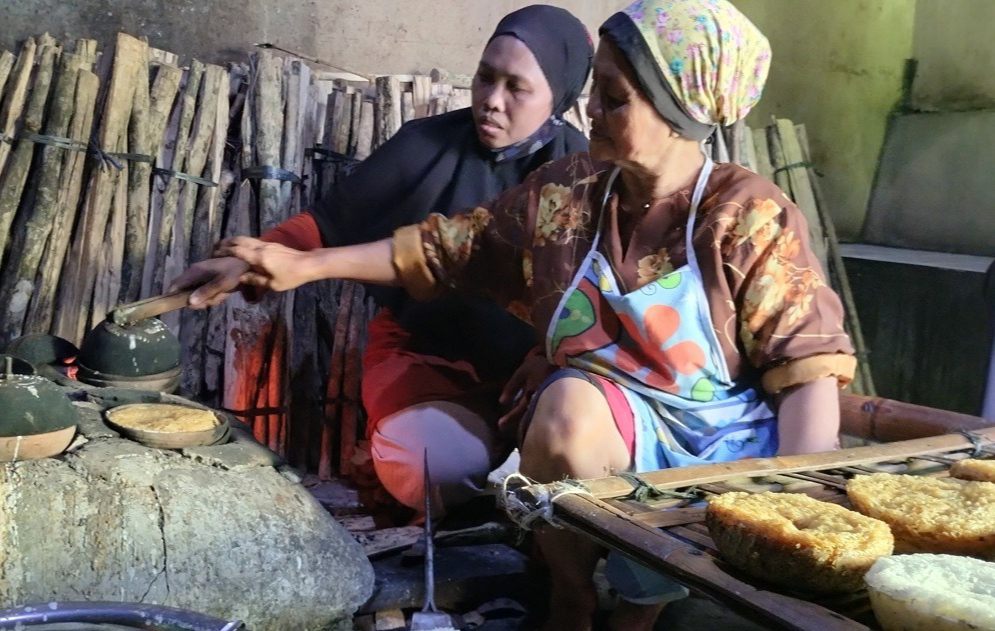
<point x="171" y="196"/>
<point x="148" y="124"/>
<point x="107" y="285"/>
<point x="342" y="124"/>
<point x="14" y="97"/>
<point x="16" y="174"/>
<point x="299" y="75"/>
<point x="354" y="124"/>
<point x="17" y="280"/>
<point x="269" y="135"/>
<point x="41" y="312"/>
<point x="214" y="80"/>
<point x="75" y="298"/>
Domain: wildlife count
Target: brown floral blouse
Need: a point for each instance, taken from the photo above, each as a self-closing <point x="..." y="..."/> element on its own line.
<point x="773" y="313"/>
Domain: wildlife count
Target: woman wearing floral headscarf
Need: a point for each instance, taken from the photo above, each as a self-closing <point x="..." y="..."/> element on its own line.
<point x="687" y="319"/>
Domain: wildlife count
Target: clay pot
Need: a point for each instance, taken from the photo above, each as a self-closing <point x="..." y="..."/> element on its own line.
<point x="36" y="418"/>
<point x="144" y="356"/>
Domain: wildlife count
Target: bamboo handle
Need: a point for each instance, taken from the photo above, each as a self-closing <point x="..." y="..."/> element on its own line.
<point x="131" y="313"/>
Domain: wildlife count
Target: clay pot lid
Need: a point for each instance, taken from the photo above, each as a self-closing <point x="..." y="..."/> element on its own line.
<point x="141" y="349"/>
<point x="31" y="405"/>
<point x="41" y="349"/>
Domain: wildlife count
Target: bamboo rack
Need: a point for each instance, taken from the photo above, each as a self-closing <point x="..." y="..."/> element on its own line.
<point x="668" y="532"/>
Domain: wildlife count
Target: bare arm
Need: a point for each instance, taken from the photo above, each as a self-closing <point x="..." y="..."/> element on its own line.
<point x="809" y="417"/>
<point x="278" y="268"/>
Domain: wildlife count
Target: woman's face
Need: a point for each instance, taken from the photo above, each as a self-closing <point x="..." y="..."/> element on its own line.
<point x="511" y="97"/>
<point x="625" y="127"/>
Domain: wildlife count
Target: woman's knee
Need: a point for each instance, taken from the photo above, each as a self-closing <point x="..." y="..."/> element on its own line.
<point x="572" y="432"/>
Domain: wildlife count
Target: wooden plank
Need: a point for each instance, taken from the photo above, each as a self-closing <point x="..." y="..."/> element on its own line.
<point x="389" y="108"/>
<point x="364" y="143"/>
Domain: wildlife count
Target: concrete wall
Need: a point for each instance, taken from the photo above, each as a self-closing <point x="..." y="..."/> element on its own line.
<point x="956" y="53"/>
<point x="837" y="67"/>
<point x="369" y="36"/>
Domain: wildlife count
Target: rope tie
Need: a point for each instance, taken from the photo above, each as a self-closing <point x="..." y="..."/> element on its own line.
<point x="524" y="514"/>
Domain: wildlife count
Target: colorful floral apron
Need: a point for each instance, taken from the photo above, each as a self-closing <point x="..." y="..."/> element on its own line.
<point x="658" y="345"/>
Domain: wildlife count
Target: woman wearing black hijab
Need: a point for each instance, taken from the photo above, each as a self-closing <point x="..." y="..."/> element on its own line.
<point x="433" y="371"/>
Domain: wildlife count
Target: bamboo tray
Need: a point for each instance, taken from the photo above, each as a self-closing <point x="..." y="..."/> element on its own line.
<point x="664" y="528"/>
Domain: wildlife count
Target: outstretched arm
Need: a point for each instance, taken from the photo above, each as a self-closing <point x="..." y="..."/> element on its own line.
<point x="278" y="268"/>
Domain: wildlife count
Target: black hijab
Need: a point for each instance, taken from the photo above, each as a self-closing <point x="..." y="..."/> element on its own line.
<point x="437" y="164"/>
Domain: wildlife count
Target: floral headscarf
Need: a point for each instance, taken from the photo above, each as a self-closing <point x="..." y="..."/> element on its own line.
<point x="701" y="62"/>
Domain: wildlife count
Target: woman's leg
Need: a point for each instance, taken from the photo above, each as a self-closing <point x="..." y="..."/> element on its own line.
<point x="462" y="447"/>
<point x="572" y="433"/>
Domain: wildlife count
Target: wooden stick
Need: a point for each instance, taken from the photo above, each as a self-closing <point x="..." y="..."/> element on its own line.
<point x="389" y="103"/>
<point x="74" y="302"/>
<point x="351" y="376"/>
<point x="15" y="96"/>
<point x="171" y="197"/>
<point x="421" y="90"/>
<point x="18" y="277"/>
<point x="41" y="312"/>
<point x="149" y="118"/>
<point x="763" y="164"/>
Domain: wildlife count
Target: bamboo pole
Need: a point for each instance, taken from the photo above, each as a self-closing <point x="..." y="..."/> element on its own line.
<point x="14" y="97"/>
<point x="41" y="313"/>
